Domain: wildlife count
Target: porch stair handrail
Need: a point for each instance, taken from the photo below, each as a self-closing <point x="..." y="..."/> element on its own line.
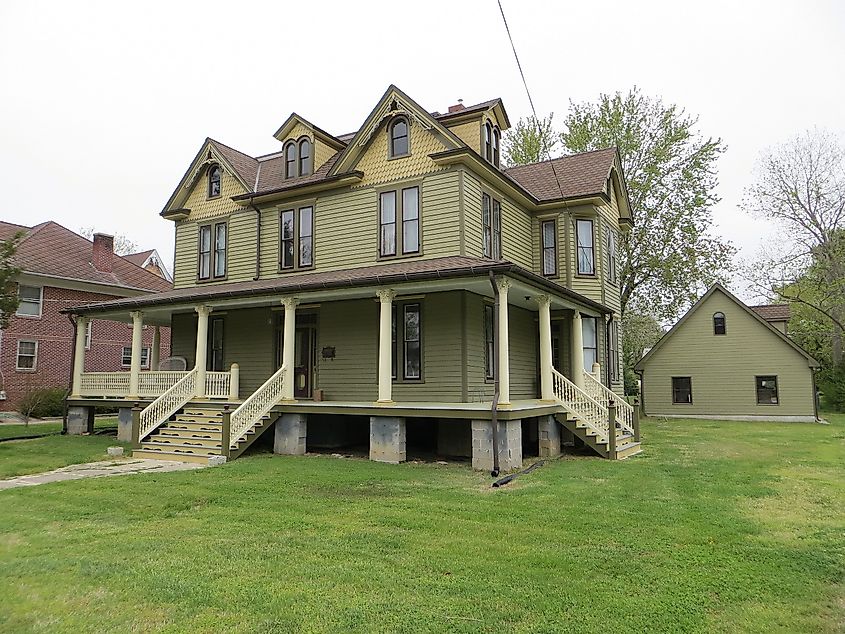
<point x="254" y="408"/>
<point x="588" y="410"/>
<point x="170" y="402"/>
<point x="601" y="393"/>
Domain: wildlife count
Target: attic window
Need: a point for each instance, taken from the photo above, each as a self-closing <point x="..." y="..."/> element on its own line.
<point x="299" y="158"/>
<point x="305" y="162"/>
<point x="488" y="142"/>
<point x="497" y="137"/>
<point x="719" y="325"/>
<point x="399" y="138"/>
<point x="290" y="160"/>
<point x="214" y="181"/>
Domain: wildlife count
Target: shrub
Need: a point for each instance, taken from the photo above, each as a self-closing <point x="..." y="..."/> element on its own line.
<point x="832" y="386"/>
<point x="41" y="402"/>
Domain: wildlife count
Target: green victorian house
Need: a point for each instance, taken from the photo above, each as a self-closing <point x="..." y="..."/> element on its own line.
<point x="393" y="288"/>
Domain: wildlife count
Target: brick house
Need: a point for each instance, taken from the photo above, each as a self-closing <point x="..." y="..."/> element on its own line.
<point x="60" y="269"/>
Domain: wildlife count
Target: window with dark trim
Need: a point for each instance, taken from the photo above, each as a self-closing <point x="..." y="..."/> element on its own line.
<point x="305" y="158"/>
<point x="126" y="357"/>
<point x="399" y="145"/>
<point x="682" y="390"/>
<point x="407" y="341"/>
<point x="290" y="160"/>
<point x="590" y="341"/>
<point x="27" y="357"/>
<point x="612" y="272"/>
<point x="548" y="233"/>
<point x="613" y="350"/>
<point x="488" y="142"/>
<point x="213" y="181"/>
<point x="767" y="390"/>
<point x="586" y="247"/>
<point x="214" y="356"/>
<point x="497" y="141"/>
<point x="491" y="227"/>
<point x="399" y="222"/>
<point x="394" y="356"/>
<point x="489" y="342"/>
<point x="212" y="251"/>
<point x="296" y="241"/>
<point x="720" y="326"/>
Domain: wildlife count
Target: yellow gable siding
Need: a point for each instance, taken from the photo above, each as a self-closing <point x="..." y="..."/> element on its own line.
<point x="322" y="153"/>
<point x="185" y="262"/>
<point x="203" y="207"/>
<point x="298" y="131"/>
<point x="516" y="235"/>
<point x="469" y="133"/>
<point x="723" y="367"/>
<point x="378" y="168"/>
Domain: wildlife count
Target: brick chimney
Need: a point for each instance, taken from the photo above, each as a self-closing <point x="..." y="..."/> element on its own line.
<point x="458" y="106"/>
<point x="103" y="253"/>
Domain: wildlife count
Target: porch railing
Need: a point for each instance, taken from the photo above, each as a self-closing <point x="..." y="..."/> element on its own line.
<point x="217" y="384"/>
<point x="156" y="383"/>
<point x="601" y="393"/>
<point x="588" y="410"/>
<point x="256" y="406"/>
<point x="151" y="384"/>
<point x="104" y="384"/>
<point x="171" y="401"/>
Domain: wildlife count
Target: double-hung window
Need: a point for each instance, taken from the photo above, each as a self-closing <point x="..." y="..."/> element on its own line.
<point x="589" y="334"/>
<point x="491" y="227"/>
<point x="407" y="341"/>
<point x="767" y="390"/>
<point x="399" y="222"/>
<point x="612" y="272"/>
<point x="613" y="350"/>
<point x="548" y="233"/>
<point x="31" y="299"/>
<point x="297" y="238"/>
<point x="27" y="358"/>
<point x="88" y="329"/>
<point x="126" y="357"/>
<point x="214" y="181"/>
<point x="489" y="342"/>
<point x="212" y="251"/>
<point x="586" y="247"/>
<point x="682" y="390"/>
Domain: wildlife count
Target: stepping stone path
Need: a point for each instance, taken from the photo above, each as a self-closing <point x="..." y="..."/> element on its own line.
<point x="99" y="470"/>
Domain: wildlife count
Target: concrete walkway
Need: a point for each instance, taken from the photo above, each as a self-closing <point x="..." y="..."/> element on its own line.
<point x="98" y="470"/>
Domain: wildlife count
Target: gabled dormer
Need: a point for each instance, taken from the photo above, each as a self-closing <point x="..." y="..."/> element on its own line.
<point x="481" y="127"/>
<point x="305" y="147"/>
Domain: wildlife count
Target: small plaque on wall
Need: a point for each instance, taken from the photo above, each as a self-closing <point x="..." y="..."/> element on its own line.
<point x="328" y="352"/>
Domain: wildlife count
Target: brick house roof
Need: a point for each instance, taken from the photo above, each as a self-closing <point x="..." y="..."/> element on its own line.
<point x="53" y="250"/>
<point x="139" y="258"/>
<point x="582" y="174"/>
<point x="772" y="312"/>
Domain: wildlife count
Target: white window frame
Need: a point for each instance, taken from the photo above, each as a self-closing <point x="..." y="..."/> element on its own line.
<point x="40" y="302"/>
<point x="34" y="356"/>
<point x="88" y="335"/>
<point x="127" y="365"/>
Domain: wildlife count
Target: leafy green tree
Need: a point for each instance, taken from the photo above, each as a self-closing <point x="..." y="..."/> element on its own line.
<point x="670" y="254"/>
<point x="529" y="141"/>
<point x="640" y="331"/>
<point x="9" y="299"/>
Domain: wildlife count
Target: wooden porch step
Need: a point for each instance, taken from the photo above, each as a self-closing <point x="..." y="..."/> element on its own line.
<point x="179" y="448"/>
<point x="166" y="455"/>
<point x="194" y="426"/>
<point x="627" y="450"/>
<point x="199" y="418"/>
<point x="187" y="441"/>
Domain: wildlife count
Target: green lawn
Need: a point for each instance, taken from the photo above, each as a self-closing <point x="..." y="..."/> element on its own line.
<point x="42" y="429"/>
<point x="717" y="527"/>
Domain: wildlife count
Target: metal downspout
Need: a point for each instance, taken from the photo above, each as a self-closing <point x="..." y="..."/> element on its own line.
<point x="494" y="408"/>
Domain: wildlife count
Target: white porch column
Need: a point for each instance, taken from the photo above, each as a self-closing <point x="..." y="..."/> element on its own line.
<point x="137" y="347"/>
<point x="577" y="351"/>
<point x="385" y="347"/>
<point x="155" y="353"/>
<point x="546" y="391"/>
<point x="79" y="355"/>
<point x="201" y="357"/>
<point x="503" y="284"/>
<point x="289" y="346"/>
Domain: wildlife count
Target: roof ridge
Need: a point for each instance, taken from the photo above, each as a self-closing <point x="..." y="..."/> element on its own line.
<point x="229" y="147"/>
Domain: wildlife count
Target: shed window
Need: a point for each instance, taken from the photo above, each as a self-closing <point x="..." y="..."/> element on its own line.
<point x="399" y="138"/>
<point x="586" y="248"/>
<point x="719" y="325"/>
<point x="682" y="390"/>
<point x="767" y="390"/>
<point x="30" y="300"/>
<point x="214" y="181"/>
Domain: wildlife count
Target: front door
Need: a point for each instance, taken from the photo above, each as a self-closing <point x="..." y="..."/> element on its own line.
<point x="304" y="355"/>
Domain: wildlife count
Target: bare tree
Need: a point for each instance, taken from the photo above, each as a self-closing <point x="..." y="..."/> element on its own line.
<point x="800" y="186"/>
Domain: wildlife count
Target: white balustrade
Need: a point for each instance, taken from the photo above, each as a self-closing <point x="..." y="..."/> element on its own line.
<point x="601" y="393"/>
<point x="150" y="384"/>
<point x="217" y="384"/>
<point x="168" y="403"/>
<point x="104" y="384"/>
<point x="256" y="406"/>
<point x="157" y="383"/>
<point x="588" y="410"/>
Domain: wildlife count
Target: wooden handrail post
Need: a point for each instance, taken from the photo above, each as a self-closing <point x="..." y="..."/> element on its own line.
<point x="136" y="426"/>
<point x="611" y="430"/>
<point x="225" y="432"/>
<point x="636" y="419"/>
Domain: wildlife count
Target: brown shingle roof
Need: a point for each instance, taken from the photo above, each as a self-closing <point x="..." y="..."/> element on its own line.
<point x="392" y="273"/>
<point x="772" y="312"/>
<point x="582" y="174"/>
<point x="244" y="165"/>
<point x="53" y="250"/>
<point x="139" y="258"/>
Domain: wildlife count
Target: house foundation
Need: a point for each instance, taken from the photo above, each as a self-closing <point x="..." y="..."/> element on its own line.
<point x="454" y="439"/>
<point x="291" y="433"/>
<point x="388" y="439"/>
<point x="80" y="420"/>
<point x="124" y="424"/>
<point x="510" y="445"/>
<point x="549" y="432"/>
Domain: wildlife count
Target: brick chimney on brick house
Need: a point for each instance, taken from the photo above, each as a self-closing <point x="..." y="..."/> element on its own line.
<point x="458" y="106"/>
<point x="103" y="253"/>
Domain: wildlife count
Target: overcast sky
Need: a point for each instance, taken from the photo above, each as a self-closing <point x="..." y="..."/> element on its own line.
<point x="105" y="103"/>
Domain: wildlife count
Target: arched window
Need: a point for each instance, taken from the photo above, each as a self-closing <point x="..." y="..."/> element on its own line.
<point x="304" y="157"/>
<point x="719" y="325"/>
<point x="488" y="135"/>
<point x="213" y="181"/>
<point x="497" y="137"/>
<point x="290" y="160"/>
<point x="399" y="138"/>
